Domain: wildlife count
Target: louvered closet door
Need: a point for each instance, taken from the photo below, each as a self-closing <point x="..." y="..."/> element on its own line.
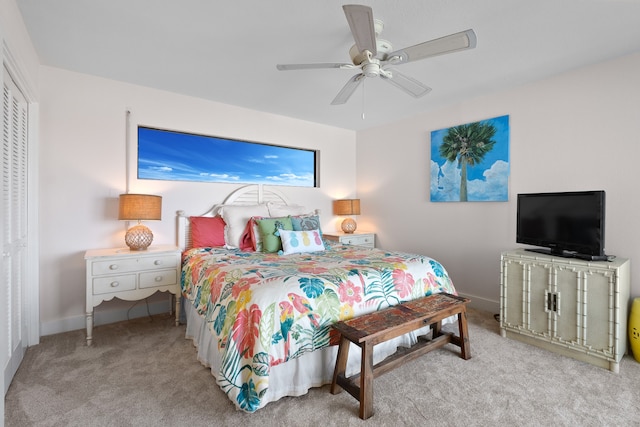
<point x="14" y="220"/>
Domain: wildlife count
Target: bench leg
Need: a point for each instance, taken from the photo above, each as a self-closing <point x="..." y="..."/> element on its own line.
<point x="341" y="364"/>
<point x="436" y="329"/>
<point x="465" y="351"/>
<point x="366" y="381"/>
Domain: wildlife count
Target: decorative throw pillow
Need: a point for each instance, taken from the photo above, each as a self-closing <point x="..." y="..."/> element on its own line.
<point x="246" y="240"/>
<point x="306" y="222"/>
<point x="256" y="238"/>
<point x="236" y="218"/>
<point x="301" y="241"/>
<point x="206" y="231"/>
<point x="268" y="226"/>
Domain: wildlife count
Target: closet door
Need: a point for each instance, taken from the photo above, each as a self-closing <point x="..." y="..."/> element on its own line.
<point x="13" y="231"/>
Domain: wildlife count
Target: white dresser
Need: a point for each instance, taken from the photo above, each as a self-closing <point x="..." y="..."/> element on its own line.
<point x="359" y="238"/>
<point x="573" y="307"/>
<point x="131" y="276"/>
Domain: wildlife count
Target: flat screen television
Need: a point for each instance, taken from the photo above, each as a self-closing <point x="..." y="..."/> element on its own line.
<point x="569" y="224"/>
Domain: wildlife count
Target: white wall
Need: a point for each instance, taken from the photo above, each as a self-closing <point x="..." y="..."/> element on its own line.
<point x="14" y="35"/>
<point x="83" y="170"/>
<point x="577" y="131"/>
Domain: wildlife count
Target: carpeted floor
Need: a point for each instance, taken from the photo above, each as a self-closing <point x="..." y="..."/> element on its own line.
<point x="144" y="373"/>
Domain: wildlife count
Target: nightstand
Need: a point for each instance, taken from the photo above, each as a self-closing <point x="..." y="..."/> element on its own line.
<point x="131" y="276"/>
<point x="360" y="238"/>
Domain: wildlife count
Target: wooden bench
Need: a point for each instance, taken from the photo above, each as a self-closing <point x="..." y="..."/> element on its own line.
<point x="380" y="326"/>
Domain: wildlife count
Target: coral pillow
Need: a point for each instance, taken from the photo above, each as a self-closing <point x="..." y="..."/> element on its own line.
<point x="207" y="231"/>
<point x="301" y="241"/>
<point x="256" y="238"/>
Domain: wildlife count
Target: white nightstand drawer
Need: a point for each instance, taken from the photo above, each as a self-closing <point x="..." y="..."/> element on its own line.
<point x="125" y="265"/>
<point x="153" y="279"/>
<point x="107" y="285"/>
<point x="358" y="240"/>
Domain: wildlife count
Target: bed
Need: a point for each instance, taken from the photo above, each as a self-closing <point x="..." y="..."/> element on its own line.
<point x="261" y="294"/>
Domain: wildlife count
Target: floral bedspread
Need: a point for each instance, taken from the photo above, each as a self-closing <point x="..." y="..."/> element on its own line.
<point x="264" y="309"/>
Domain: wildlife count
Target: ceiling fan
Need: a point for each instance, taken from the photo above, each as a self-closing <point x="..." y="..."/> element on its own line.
<point x="374" y="56"/>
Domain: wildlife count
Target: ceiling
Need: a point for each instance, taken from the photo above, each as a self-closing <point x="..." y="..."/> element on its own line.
<point x="227" y="51"/>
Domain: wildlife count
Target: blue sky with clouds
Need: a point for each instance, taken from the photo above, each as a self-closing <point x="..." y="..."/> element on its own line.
<point x="487" y="181"/>
<point x="176" y="156"/>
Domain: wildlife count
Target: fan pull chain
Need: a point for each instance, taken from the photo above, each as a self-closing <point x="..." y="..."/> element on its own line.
<point x="363" y="82"/>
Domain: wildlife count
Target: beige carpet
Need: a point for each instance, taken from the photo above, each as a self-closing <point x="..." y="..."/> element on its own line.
<point x="144" y="373"/>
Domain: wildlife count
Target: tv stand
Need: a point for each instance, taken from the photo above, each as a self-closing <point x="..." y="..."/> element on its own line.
<point x="574" y="307"/>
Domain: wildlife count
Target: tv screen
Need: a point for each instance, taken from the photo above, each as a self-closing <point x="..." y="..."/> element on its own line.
<point x="567" y="224"/>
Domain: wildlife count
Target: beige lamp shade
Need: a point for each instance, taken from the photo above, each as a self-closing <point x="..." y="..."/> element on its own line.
<point x="347" y="207"/>
<point x="139" y="207"/>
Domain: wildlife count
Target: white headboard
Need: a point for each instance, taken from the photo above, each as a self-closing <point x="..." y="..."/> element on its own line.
<point x="247" y="195"/>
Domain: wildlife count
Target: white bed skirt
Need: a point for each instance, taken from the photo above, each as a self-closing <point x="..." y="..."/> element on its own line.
<point x="297" y="376"/>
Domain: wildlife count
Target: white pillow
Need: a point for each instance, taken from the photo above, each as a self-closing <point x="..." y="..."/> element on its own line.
<point x="236" y="218"/>
<point x="277" y="210"/>
<point x="300" y="241"/>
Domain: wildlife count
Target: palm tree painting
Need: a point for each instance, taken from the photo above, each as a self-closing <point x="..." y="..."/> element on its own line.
<point x="470" y="162"/>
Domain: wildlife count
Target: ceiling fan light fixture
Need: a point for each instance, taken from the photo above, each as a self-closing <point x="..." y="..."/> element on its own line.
<point x="373" y="55"/>
<point x="371" y="70"/>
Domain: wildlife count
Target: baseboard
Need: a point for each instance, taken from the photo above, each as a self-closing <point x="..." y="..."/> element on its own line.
<point x="104" y="317"/>
<point x="480" y="303"/>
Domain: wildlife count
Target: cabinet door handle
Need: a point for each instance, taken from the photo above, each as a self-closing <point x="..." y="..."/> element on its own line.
<point x="553" y="301"/>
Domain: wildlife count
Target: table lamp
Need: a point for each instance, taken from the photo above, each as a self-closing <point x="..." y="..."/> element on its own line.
<point x="139" y="207"/>
<point x="347" y="207"/>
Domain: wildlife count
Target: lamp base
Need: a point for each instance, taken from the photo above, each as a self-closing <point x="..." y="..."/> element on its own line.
<point x="138" y="237"/>
<point x="349" y="225"/>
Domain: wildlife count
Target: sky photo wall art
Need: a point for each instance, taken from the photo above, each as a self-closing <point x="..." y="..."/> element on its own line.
<point x="470" y="162"/>
<point x="178" y="156"/>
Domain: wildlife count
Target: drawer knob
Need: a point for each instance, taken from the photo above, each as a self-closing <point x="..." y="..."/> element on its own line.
<point x="158" y="262"/>
<point x="158" y="279"/>
<point x="115" y="284"/>
<point x="113" y="267"/>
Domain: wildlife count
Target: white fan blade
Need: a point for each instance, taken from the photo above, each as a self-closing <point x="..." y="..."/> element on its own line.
<point x="447" y="44"/>
<point x="360" y="20"/>
<point x="348" y="89"/>
<point x="288" y="67"/>
<point x="406" y="83"/>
